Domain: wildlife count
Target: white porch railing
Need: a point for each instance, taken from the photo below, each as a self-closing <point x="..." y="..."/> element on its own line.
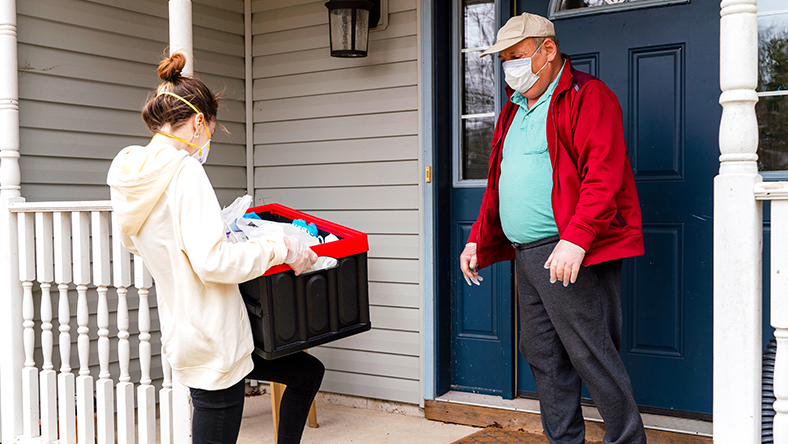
<point x="777" y="193"/>
<point x="56" y="244"/>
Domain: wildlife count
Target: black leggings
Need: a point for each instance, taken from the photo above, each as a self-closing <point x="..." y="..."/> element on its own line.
<point x="217" y="413"/>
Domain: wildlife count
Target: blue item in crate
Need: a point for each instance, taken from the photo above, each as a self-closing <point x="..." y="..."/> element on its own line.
<point x="251" y="216"/>
<point x="308" y="227"/>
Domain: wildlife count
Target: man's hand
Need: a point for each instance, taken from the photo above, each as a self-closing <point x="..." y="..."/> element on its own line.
<point x="564" y="262"/>
<point x="468" y="264"/>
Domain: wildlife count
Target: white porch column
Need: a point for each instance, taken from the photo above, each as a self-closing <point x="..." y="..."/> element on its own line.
<point x="181" y="32"/>
<point x="11" y="348"/>
<point x="181" y="41"/>
<point x="181" y="414"/>
<point x="737" y="234"/>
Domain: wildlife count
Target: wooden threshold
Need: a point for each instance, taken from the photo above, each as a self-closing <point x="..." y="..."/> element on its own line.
<point x="483" y="416"/>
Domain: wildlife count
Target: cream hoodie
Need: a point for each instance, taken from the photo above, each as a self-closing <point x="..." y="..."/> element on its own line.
<point x="168" y="213"/>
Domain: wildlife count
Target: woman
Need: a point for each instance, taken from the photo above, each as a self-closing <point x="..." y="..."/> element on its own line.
<point x="168" y="214"/>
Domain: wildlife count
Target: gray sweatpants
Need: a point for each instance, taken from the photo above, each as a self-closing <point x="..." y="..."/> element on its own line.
<point x="569" y="334"/>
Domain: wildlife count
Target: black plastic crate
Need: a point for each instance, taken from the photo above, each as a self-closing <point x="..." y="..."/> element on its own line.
<point x="290" y="313"/>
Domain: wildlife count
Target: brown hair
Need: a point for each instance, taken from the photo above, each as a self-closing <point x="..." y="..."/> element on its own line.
<point x="163" y="109"/>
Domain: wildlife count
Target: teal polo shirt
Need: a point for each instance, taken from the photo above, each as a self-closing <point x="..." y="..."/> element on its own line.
<point x="526" y="181"/>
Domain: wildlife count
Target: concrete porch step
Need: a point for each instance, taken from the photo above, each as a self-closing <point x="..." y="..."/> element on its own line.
<point x="342" y="424"/>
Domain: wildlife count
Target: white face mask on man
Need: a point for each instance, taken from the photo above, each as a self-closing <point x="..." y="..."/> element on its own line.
<point x="519" y="73"/>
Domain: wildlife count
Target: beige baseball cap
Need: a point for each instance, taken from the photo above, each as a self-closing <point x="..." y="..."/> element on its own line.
<point x="520" y="28"/>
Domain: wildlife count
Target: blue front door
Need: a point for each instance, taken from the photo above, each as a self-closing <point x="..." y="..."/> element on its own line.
<point x="482" y="331"/>
<point x="662" y="63"/>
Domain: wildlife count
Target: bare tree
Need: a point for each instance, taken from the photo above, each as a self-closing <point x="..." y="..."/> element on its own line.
<point x="478" y="88"/>
<point x="773" y="111"/>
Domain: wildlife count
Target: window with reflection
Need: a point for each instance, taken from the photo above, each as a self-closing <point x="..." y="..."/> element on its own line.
<point x="477" y="88"/>
<point x="577" y="4"/>
<point x="772" y="106"/>
<point x="560" y="8"/>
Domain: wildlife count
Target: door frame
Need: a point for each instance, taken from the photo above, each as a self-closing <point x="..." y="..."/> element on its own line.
<point x="431" y="351"/>
<point x="438" y="129"/>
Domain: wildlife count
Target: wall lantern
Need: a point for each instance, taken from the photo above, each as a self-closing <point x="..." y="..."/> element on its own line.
<point x="349" y="22"/>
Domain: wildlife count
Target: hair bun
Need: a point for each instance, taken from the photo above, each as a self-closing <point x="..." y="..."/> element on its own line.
<point x="171" y="67"/>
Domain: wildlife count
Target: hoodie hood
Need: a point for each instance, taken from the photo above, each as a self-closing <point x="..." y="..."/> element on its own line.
<point x="138" y="177"/>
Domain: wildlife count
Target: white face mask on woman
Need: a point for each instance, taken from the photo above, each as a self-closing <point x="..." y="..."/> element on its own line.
<point x="202" y="154"/>
<point x="519" y="74"/>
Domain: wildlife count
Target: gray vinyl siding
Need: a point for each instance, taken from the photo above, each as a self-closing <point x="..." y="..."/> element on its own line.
<point x="338" y="138"/>
<point x="86" y="68"/>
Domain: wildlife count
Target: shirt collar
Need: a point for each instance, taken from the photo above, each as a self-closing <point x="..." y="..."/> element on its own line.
<point x="520" y="100"/>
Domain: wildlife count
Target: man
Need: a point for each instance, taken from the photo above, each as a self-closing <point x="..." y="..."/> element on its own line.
<point x="561" y="201"/>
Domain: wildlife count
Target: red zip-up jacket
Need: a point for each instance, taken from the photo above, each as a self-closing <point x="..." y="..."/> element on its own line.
<point x="595" y="202"/>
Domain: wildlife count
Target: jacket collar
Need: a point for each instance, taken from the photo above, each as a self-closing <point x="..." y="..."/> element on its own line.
<point x="567" y="77"/>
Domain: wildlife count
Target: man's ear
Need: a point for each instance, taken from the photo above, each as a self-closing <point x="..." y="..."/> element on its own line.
<point x="551" y="49"/>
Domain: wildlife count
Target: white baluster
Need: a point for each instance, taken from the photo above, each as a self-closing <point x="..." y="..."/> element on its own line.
<point x="45" y="276"/>
<point x="779" y="314"/>
<point x="738" y="227"/>
<point x="165" y="402"/>
<point x="146" y="393"/>
<point x="80" y="228"/>
<point x="65" y="381"/>
<point x="780" y="384"/>
<point x="27" y="274"/>
<point x="105" y="416"/>
<point x="122" y="279"/>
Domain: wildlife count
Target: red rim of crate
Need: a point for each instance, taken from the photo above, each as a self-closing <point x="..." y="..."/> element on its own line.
<point x="351" y="241"/>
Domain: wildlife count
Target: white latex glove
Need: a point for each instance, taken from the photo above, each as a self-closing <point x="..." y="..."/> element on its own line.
<point x="468" y="264"/>
<point x="299" y="256"/>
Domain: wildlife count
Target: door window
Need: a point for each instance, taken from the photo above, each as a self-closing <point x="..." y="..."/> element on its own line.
<point x="772" y="106"/>
<point x="566" y="8"/>
<point x="475" y="91"/>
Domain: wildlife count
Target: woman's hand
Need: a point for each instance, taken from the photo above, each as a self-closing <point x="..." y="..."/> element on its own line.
<point x="299" y="256"/>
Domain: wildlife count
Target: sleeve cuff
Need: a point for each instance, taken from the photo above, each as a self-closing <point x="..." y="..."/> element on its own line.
<point x="579" y="235"/>
<point x="279" y="248"/>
